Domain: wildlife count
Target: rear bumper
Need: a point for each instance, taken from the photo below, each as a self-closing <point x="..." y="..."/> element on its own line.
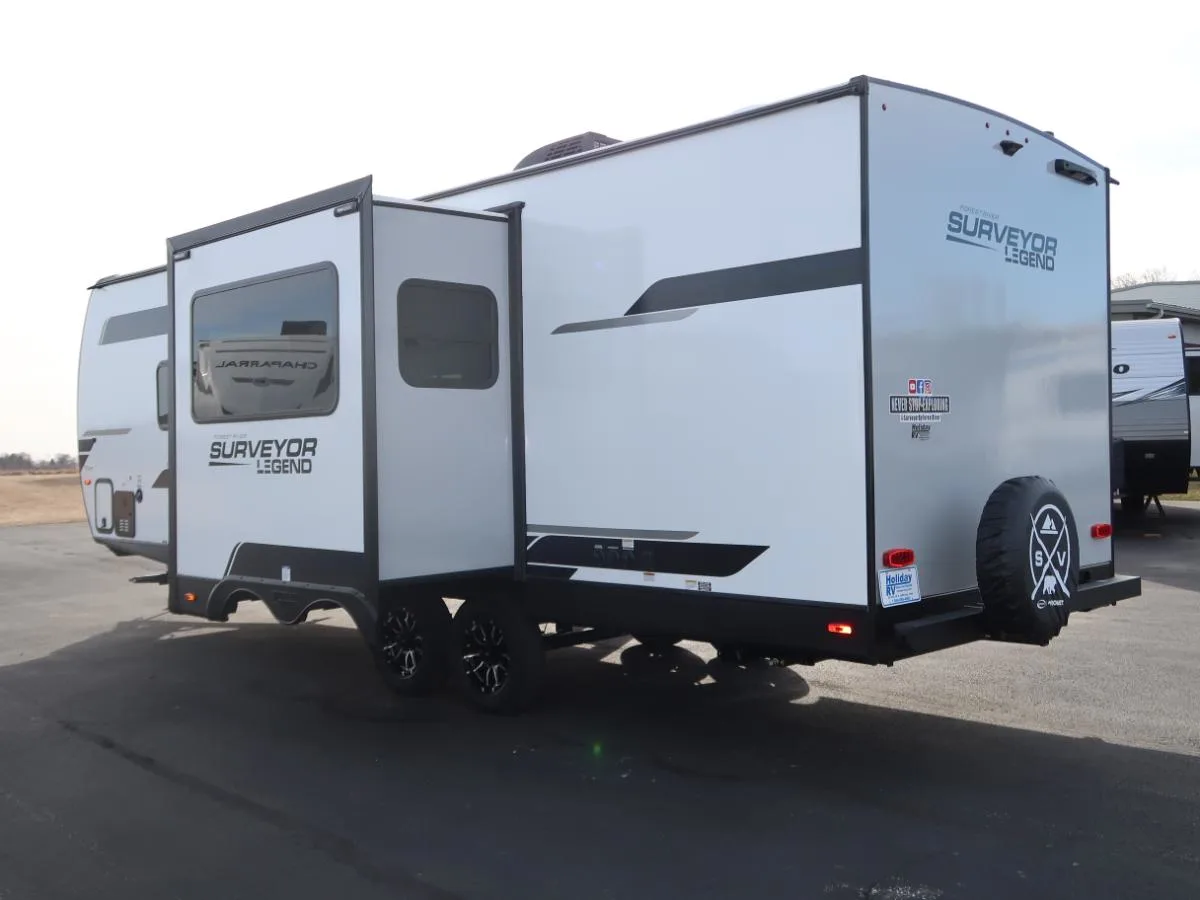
<point x="967" y="624"/>
<point x="1106" y="592"/>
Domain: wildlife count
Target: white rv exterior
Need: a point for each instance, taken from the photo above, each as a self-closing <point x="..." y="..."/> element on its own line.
<point x="759" y="382"/>
<point x="123" y="389"/>
<point x="1151" y="416"/>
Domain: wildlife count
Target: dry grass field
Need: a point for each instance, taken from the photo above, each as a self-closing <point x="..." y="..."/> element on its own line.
<point x="35" y="498"/>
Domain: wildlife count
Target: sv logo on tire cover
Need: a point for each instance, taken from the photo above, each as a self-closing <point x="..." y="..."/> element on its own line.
<point x="1049" y="557"/>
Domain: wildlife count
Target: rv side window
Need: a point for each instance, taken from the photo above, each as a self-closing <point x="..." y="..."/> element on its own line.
<point x="1193" y="374"/>
<point x="163" y="378"/>
<point x="449" y="335"/>
<point x="266" y="348"/>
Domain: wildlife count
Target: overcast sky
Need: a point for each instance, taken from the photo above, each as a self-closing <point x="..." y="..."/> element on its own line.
<point x="127" y="122"/>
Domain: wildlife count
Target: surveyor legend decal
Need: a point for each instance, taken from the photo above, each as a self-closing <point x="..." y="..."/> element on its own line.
<point x="266" y="456"/>
<point x="986" y="230"/>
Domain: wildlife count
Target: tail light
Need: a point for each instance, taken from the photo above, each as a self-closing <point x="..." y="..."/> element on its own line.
<point x="899" y="558"/>
<point x="842" y="628"/>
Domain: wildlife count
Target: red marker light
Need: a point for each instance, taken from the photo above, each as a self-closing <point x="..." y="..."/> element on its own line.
<point x="899" y="557"/>
<point x="1102" y="531"/>
<point x="841" y="628"/>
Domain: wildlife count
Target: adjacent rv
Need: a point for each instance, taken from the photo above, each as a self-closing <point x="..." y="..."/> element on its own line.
<point x="759" y="382"/>
<point x="1191" y="362"/>
<point x="123" y="387"/>
<point x="1151" y="418"/>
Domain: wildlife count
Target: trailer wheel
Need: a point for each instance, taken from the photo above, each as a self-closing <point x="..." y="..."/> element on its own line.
<point x="413" y="643"/>
<point x="1027" y="559"/>
<point x="500" y="659"/>
<point x="657" y="643"/>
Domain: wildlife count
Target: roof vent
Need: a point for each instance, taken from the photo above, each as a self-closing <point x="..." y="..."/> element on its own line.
<point x="580" y="143"/>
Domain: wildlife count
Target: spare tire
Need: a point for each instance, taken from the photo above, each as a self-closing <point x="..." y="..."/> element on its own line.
<point x="1027" y="559"/>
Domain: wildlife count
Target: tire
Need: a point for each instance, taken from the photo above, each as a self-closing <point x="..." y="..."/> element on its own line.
<point x="499" y="661"/>
<point x="1027" y="559"/>
<point x="413" y="641"/>
<point x="657" y="643"/>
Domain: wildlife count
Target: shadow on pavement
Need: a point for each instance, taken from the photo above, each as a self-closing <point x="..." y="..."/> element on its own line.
<point x="195" y="760"/>
<point x="1161" y="548"/>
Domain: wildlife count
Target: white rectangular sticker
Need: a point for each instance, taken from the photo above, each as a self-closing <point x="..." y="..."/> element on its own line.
<point x="899" y="586"/>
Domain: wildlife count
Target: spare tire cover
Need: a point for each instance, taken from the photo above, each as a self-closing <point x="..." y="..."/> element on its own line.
<point x="1027" y="559"/>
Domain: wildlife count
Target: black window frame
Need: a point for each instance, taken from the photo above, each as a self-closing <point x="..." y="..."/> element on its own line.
<point x="337" y="344"/>
<point x="1191" y="372"/>
<point x="493" y="330"/>
<point x="164" y="418"/>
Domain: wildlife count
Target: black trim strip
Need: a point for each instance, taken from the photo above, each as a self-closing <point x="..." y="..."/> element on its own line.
<point x="308" y="565"/>
<point x="175" y="591"/>
<point x="668" y="557"/>
<point x="422" y="207"/>
<point x="110" y="280"/>
<point x="850" y="88"/>
<point x="882" y="82"/>
<point x="626" y="321"/>
<point x="648" y="534"/>
<point x="351" y="191"/>
<point x="106" y="432"/>
<point x="368" y="588"/>
<point x="86" y="444"/>
<point x="516" y="376"/>
<point x="163" y="480"/>
<point x="864" y="161"/>
<point x="821" y="271"/>
<point x="135" y="326"/>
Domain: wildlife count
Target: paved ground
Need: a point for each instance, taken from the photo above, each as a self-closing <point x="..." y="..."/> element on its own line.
<point x="147" y="756"/>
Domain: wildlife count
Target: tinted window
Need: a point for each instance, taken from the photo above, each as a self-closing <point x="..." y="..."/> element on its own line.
<point x="163" y="379"/>
<point x="266" y="348"/>
<point x="449" y="335"/>
<point x="1193" y="374"/>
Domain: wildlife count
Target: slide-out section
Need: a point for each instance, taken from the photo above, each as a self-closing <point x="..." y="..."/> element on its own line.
<point x="443" y="396"/>
<point x="268" y="441"/>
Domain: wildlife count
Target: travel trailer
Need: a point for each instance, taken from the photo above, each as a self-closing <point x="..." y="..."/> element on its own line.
<point x="1151" y="416"/>
<point x="749" y="382"/>
<point x="123" y="387"/>
<point x="1191" y="360"/>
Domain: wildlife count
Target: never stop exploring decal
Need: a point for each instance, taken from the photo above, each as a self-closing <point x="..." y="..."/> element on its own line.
<point x="920" y="407"/>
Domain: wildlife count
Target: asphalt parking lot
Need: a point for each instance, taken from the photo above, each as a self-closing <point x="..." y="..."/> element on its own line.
<point x="143" y="755"/>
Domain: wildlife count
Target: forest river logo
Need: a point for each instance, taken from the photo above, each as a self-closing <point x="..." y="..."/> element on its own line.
<point x="982" y="229"/>
<point x="268" y="456"/>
